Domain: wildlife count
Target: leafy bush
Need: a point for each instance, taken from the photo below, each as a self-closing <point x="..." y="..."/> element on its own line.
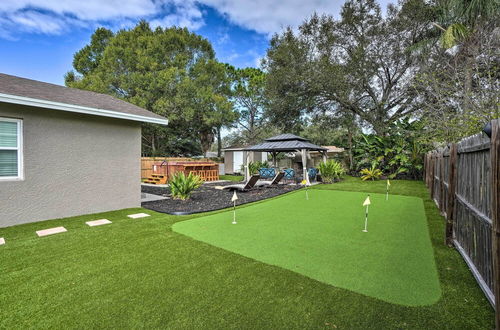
<point x="398" y="154"/>
<point x="372" y="173"/>
<point x="255" y="166"/>
<point x="331" y="170"/>
<point x="182" y="186"/>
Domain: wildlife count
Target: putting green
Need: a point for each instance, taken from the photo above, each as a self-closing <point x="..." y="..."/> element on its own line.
<point x="322" y="238"/>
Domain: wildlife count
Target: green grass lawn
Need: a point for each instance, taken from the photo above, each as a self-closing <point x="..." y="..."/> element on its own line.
<point x="139" y="273"/>
<point x="231" y="177"/>
<point x="322" y="238"/>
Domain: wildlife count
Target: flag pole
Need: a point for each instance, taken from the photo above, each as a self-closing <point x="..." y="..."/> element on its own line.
<point x="367" y="204"/>
<point x="387" y="190"/>
<point x="234" y="212"/>
<point x="366" y="220"/>
<point x="235" y="197"/>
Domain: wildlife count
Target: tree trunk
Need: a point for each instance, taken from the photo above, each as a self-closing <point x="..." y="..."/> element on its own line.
<point x="153" y="145"/>
<point x="206" y="140"/>
<point x="219" y="143"/>
<point x="349" y="145"/>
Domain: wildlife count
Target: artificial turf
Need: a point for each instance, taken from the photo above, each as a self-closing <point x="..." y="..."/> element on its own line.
<point x="231" y="177"/>
<point x="138" y="273"/>
<point x="322" y="238"/>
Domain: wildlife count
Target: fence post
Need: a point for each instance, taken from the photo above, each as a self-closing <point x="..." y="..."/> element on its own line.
<point x="442" y="202"/>
<point x="452" y="184"/>
<point x="433" y="174"/>
<point x="495" y="213"/>
<point x="426" y="169"/>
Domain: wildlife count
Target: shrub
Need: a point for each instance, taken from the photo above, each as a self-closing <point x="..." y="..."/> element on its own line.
<point x="255" y="166"/>
<point x="182" y="186"/>
<point x="331" y="170"/>
<point x="372" y="173"/>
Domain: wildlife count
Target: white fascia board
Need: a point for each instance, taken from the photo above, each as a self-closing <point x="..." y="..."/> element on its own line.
<point x="14" y="99"/>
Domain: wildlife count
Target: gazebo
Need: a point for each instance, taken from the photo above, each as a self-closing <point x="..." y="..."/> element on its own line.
<point x="286" y="143"/>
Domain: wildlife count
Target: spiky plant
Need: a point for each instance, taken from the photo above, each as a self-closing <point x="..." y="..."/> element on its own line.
<point x="372" y="173"/>
<point x="181" y="185"/>
<point x="331" y="170"/>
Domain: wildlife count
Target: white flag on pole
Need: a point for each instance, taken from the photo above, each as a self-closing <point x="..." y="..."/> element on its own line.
<point x="367" y="201"/>
<point x="235" y="197"/>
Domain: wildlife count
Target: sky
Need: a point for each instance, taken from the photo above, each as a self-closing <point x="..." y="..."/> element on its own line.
<point x="39" y="37"/>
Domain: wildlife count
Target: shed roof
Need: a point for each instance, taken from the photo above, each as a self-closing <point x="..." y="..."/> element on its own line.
<point x="285" y="143"/>
<point x="35" y="93"/>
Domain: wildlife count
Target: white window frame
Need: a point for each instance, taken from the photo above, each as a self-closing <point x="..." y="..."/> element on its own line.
<point x="19" y="149"/>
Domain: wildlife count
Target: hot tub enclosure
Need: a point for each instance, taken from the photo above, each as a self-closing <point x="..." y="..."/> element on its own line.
<point x="66" y="152"/>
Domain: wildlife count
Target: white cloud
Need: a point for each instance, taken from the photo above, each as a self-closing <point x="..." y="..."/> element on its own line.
<point x="268" y="17"/>
<point x="56" y="16"/>
<point x="183" y="13"/>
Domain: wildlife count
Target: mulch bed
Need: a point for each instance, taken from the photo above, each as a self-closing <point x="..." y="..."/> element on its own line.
<point x="207" y="198"/>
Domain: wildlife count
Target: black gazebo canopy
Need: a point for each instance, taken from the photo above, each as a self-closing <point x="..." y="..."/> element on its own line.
<point x="286" y="143"/>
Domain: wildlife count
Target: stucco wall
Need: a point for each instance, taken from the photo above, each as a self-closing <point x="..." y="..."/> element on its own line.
<point x="73" y="164"/>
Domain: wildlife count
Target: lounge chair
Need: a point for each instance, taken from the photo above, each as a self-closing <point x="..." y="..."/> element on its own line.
<point x="244" y="186"/>
<point x="274" y="181"/>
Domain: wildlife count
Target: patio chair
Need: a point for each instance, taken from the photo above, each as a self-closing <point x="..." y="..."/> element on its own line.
<point x="277" y="178"/>
<point x="267" y="173"/>
<point x="289" y="174"/>
<point x="312" y="172"/>
<point x="263" y="173"/>
<point x="244" y="186"/>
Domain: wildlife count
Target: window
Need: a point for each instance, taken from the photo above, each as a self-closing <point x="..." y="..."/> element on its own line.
<point x="11" y="153"/>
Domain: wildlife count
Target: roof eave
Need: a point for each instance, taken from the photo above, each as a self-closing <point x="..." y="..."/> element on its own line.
<point x="14" y="99"/>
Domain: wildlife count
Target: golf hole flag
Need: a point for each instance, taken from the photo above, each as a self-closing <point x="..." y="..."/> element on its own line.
<point x="366" y="203"/>
<point x="234" y="199"/>
<point x="304" y="182"/>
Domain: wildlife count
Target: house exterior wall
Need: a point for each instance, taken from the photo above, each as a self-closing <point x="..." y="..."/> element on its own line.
<point x="73" y="164"/>
<point x="228" y="162"/>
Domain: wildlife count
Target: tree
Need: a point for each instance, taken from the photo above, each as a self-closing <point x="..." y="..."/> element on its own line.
<point x="459" y="86"/>
<point x="164" y="71"/>
<point x="359" y="64"/>
<point x="248" y="94"/>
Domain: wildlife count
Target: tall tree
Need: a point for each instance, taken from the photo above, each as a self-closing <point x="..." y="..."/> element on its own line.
<point x="162" y="70"/>
<point x="459" y="85"/>
<point x="248" y="94"/>
<point x="359" y="64"/>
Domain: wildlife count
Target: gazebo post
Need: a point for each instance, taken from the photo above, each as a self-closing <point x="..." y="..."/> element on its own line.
<point x="274" y="158"/>
<point x="324" y="157"/>
<point x="304" y="167"/>
<point x="247" y="169"/>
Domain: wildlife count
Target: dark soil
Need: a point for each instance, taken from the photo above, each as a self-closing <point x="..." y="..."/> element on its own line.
<point x="207" y="198"/>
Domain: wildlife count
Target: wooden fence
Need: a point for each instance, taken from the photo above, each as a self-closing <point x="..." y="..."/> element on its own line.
<point x="463" y="179"/>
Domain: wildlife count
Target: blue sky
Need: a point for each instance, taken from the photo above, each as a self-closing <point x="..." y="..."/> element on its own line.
<point x="39" y="37"/>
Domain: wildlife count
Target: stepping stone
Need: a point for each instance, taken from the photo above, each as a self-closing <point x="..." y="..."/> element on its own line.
<point x="50" y="231"/>
<point x="2" y="241"/>
<point x="98" y="222"/>
<point x="138" y="215"/>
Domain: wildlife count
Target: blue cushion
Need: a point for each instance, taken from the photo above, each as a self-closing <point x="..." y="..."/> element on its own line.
<point x="289" y="173"/>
